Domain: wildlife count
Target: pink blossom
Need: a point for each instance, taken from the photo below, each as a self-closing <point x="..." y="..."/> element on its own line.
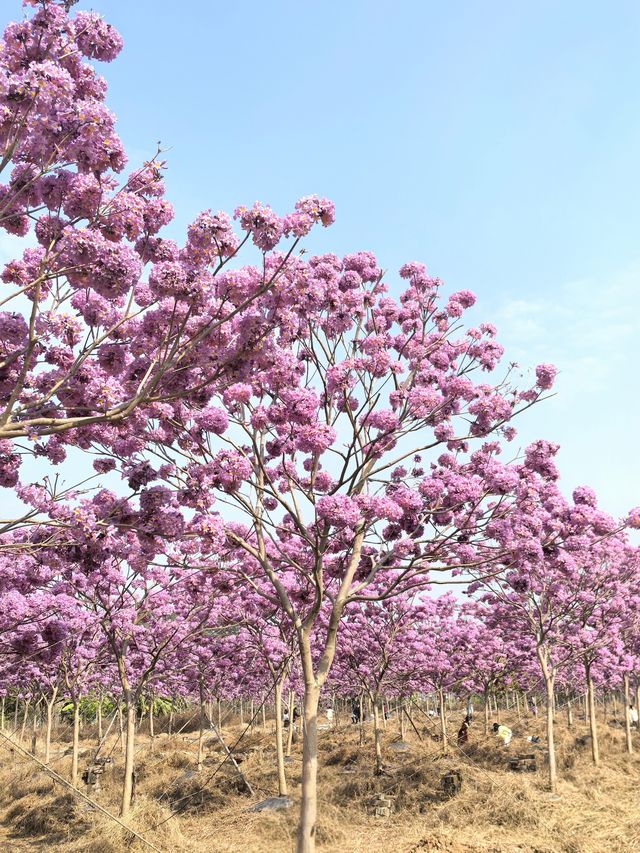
<point x="338" y="510"/>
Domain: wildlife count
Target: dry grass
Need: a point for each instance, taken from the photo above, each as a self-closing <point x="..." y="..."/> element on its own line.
<point x="496" y="811"/>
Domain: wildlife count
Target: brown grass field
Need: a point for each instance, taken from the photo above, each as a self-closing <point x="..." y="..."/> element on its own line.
<point x="497" y="811"/>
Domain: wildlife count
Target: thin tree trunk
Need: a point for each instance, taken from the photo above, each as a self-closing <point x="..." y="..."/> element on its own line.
<point x="49" y="725"/>
<point x="201" y="727"/>
<point x="282" y="779"/>
<point x="34" y="730"/>
<point x="2" y="716"/>
<point x="553" y="782"/>
<point x="615" y="706"/>
<point x="99" y="718"/>
<point x="152" y="730"/>
<point x="15" y="716"/>
<point x="627" y="719"/>
<point x="486" y="712"/>
<point x="377" y="736"/>
<point x="24" y="719"/>
<point x="292" y="705"/>
<point x="443" y="724"/>
<point x="121" y="729"/>
<point x="362" y="737"/>
<point x="128" y="783"/>
<point x="569" y="714"/>
<point x="518" y="704"/>
<point x="76" y="744"/>
<point x="549" y="680"/>
<point x="241" y="712"/>
<point x="264" y="718"/>
<point x="593" y="725"/>
<point x="401" y="713"/>
<point x="309" y="794"/>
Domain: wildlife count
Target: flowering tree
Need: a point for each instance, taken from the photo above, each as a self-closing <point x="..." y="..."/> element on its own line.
<point x="568" y="566"/>
<point x="309" y="447"/>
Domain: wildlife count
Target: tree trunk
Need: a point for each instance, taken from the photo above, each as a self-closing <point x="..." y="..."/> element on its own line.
<point x="2" y="716"/>
<point x="549" y="680"/>
<point x="377" y="736"/>
<point x="264" y="718"/>
<point x="34" y="730"/>
<point x="443" y="724"/>
<point x="309" y="795"/>
<point x="152" y="731"/>
<point x="201" y="727"/>
<point x="76" y="743"/>
<point x="401" y="713"/>
<point x="615" y="706"/>
<point x="49" y="726"/>
<point x="627" y="720"/>
<point x="518" y="704"/>
<point x="282" y="779"/>
<point x="486" y="712"/>
<point x="99" y="719"/>
<point x="553" y="782"/>
<point x="361" y="706"/>
<point x="127" y="786"/>
<point x="569" y="714"/>
<point x="121" y="729"/>
<point x="593" y="725"/>
<point x="292" y="705"/>
<point x="241" y="712"/>
<point x="24" y="719"/>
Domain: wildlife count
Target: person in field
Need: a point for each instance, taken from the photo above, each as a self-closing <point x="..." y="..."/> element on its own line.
<point x="355" y="711"/>
<point x="503" y="732"/>
<point x="463" y="731"/>
<point x="632" y="713"/>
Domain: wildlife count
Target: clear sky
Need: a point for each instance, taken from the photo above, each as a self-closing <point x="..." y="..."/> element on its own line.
<point x="497" y="142"/>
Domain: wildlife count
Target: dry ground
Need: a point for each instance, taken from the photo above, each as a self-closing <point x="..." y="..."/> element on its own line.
<point x="497" y="811"/>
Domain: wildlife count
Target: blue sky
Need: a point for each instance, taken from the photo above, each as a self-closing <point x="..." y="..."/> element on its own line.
<point x="497" y="142"/>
